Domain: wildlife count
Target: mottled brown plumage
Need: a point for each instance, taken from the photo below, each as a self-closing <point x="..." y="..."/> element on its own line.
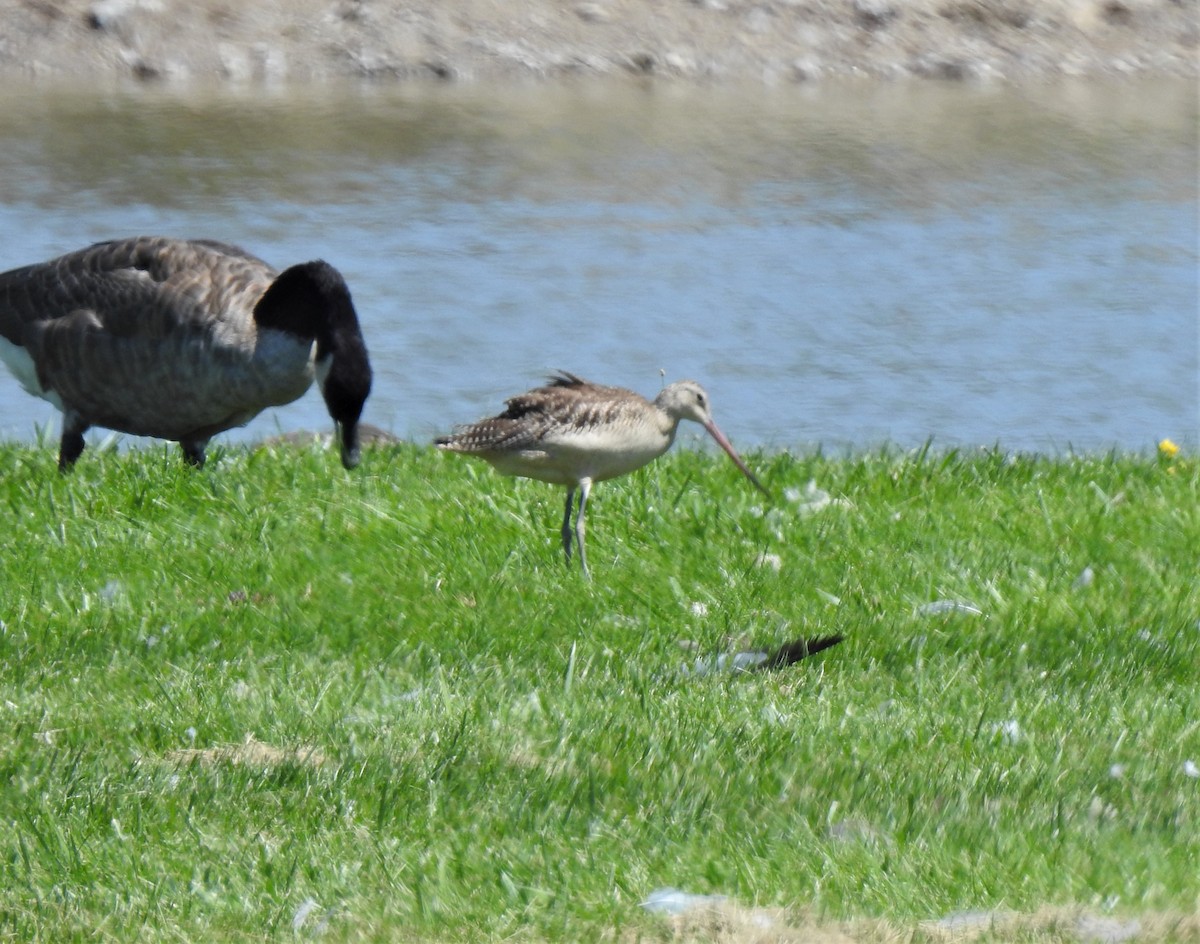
<point x="180" y="340"/>
<point x="572" y="432"/>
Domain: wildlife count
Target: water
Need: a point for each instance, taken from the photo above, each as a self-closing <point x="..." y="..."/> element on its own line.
<point x="839" y="265"/>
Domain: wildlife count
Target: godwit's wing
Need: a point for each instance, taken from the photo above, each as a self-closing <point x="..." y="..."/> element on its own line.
<point x="565" y="405"/>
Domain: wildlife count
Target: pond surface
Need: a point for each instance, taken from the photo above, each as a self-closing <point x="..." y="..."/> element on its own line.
<point x="842" y="265"/>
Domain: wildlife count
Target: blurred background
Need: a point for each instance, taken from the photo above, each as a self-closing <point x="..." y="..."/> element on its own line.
<point x="843" y="265"/>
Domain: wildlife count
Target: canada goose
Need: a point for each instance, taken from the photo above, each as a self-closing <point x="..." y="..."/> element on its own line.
<point x="181" y="339"/>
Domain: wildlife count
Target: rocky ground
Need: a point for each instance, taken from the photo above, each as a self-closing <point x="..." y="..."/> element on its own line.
<point x="756" y="40"/>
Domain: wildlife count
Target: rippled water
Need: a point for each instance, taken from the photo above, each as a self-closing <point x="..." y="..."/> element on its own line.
<point x="839" y="265"/>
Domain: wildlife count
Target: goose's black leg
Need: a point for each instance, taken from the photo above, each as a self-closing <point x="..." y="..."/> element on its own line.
<point x="71" y="446"/>
<point x="193" y="451"/>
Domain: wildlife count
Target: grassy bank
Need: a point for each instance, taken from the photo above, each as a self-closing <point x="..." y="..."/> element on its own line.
<point x="274" y="698"/>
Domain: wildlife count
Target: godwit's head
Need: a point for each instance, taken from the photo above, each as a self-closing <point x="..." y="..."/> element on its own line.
<point x="687" y="400"/>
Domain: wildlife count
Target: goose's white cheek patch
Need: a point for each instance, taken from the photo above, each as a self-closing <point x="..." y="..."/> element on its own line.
<point x="321" y="367"/>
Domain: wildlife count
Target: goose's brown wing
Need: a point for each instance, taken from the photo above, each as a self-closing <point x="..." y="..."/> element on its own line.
<point x="147" y="287"/>
<point x="133" y="334"/>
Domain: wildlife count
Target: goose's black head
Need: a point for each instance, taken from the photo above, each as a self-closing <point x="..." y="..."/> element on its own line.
<point x="312" y="301"/>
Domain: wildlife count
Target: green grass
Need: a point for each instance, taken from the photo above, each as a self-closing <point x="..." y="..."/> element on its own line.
<point x="468" y="742"/>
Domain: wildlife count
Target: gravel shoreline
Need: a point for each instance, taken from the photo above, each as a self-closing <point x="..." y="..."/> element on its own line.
<point x="776" y="41"/>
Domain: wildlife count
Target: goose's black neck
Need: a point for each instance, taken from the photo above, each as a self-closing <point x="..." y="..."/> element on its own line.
<point x="312" y="302"/>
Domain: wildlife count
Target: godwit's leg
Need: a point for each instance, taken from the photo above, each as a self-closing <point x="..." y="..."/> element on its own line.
<point x="566" y="528"/>
<point x="584" y="488"/>
<point x="70" y="446"/>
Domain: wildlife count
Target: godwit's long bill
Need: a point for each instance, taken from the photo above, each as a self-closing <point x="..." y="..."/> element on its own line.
<point x="571" y="432"/>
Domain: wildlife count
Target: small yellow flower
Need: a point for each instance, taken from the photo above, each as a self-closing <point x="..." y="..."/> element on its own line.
<point x="1168" y="449"/>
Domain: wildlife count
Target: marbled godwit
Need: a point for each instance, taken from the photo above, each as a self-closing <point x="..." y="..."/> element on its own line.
<point x="181" y="339"/>
<point x="571" y="432"/>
